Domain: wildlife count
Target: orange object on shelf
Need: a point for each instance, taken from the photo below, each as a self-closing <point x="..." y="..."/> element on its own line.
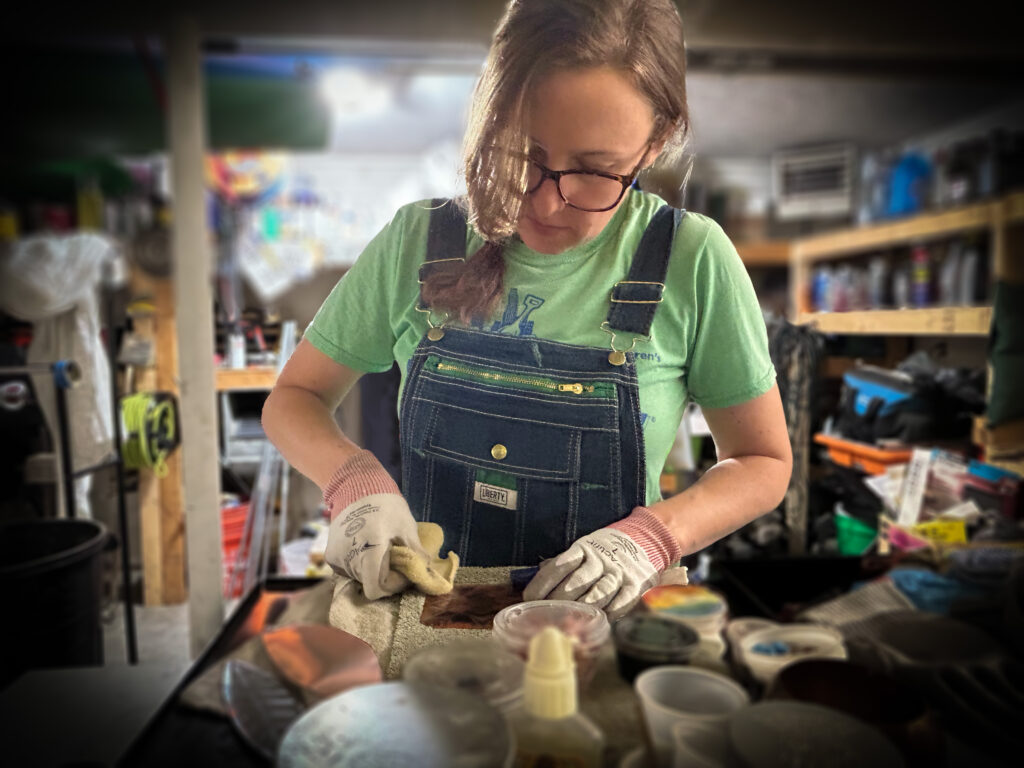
<point x="869" y="458"/>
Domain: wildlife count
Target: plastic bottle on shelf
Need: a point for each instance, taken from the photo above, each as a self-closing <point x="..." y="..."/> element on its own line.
<point x="949" y="274"/>
<point x="901" y="286"/>
<point x="968" y="282"/>
<point x="90" y="205"/>
<point x="878" y="276"/>
<point x="550" y="730"/>
<point x="921" y="276"/>
<point x="821" y="289"/>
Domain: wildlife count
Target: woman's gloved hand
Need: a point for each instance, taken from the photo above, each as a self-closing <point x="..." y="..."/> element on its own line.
<point x="368" y="517"/>
<point x="610" y="568"/>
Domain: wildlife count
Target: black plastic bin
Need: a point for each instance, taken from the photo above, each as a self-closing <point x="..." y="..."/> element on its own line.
<point x="50" y="595"/>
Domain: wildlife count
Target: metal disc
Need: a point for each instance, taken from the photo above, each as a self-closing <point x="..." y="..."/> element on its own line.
<point x="617" y="357"/>
<point x="435" y="334"/>
<point x="399" y="723"/>
<point x="261" y="708"/>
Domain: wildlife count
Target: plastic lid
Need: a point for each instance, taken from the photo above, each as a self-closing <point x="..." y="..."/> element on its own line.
<point x="549" y="686"/>
<point x="655" y="638"/>
<point x="516" y="624"/>
<point x="476" y="665"/>
<point x="684" y="601"/>
<point x="766" y="651"/>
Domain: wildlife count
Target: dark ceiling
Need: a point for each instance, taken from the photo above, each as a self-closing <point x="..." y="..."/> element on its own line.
<point x="761" y="74"/>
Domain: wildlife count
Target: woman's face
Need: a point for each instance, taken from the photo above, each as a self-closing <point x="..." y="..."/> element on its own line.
<point x="587" y="119"/>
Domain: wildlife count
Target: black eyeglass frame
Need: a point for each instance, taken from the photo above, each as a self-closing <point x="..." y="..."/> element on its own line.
<point x="626" y="180"/>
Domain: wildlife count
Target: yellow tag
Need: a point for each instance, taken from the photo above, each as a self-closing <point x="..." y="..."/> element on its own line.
<point x="944" y="531"/>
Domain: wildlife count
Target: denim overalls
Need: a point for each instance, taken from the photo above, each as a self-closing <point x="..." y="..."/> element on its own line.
<point x="516" y="446"/>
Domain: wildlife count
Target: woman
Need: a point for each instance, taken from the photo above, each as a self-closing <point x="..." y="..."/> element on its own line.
<point x="553" y="343"/>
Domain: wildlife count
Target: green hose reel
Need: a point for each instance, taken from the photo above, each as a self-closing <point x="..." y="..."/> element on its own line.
<point x="149" y="430"/>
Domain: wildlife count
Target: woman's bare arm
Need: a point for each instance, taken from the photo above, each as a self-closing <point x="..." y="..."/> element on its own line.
<point x="750" y="478"/>
<point x="298" y="415"/>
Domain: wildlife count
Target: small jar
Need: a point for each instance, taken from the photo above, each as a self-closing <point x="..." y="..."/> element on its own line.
<point x="477" y="665"/>
<point x="588" y="627"/>
<point x="645" y="640"/>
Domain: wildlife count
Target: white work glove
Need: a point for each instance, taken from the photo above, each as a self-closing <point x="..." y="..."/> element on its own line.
<point x="610" y="568"/>
<point x="374" y="518"/>
<point x="360" y="539"/>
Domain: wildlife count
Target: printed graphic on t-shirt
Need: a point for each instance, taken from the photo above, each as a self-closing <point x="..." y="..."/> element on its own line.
<point x="516" y="314"/>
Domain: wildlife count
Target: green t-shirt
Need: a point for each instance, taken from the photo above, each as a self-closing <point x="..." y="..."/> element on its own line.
<point x="708" y="340"/>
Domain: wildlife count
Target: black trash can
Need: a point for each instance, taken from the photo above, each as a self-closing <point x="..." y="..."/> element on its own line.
<point x="50" y="595"/>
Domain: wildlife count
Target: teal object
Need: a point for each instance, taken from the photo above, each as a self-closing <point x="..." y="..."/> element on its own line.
<point x="271" y="224"/>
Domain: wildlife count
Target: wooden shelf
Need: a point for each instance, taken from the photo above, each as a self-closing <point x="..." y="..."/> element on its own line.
<point x="255" y="377"/>
<point x="938" y="321"/>
<point x="927" y="226"/>
<point x="765" y="253"/>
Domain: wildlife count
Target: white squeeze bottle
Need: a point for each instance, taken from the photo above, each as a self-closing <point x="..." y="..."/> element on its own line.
<point x="549" y="729"/>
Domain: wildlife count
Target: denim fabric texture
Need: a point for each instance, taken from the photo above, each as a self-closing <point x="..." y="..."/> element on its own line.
<point x="575" y="461"/>
<point x="516" y="445"/>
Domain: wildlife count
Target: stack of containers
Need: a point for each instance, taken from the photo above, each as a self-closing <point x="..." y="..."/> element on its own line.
<point x="587" y="626"/>
<point x="232" y="527"/>
<point x="700" y="608"/>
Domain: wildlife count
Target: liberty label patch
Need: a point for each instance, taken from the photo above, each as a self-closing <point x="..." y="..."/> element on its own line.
<point x="494" y="495"/>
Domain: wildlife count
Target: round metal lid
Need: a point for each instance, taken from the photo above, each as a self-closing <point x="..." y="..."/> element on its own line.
<point x="399" y="723"/>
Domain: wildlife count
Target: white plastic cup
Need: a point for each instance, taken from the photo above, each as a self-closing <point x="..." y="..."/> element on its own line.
<point x="689" y="704"/>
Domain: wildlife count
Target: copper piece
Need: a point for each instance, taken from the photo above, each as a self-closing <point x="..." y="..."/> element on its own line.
<point x="321" y="659"/>
<point x="267" y="608"/>
<point x="468" y="606"/>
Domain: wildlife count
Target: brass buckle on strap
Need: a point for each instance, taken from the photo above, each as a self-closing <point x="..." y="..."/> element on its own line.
<point x="658" y="300"/>
<point x="618" y="356"/>
<point x="435" y="332"/>
<point x="435" y="261"/>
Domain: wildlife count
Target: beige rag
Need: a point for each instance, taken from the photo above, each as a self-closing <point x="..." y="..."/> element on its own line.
<point x="433" y="575"/>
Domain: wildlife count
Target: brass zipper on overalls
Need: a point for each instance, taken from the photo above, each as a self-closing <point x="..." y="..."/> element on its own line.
<point x="511" y="378"/>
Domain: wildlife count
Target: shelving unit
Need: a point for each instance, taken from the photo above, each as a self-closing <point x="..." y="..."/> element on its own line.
<point x="1002" y="220"/>
<point x="937" y="321"/>
<point x="253" y="377"/>
<point x="993" y="217"/>
<point x="765" y="253"/>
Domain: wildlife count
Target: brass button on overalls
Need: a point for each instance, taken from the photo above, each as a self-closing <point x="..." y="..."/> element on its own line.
<point x="499" y="451"/>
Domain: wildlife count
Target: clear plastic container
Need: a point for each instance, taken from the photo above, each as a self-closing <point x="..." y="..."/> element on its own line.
<point x="588" y="627"/>
<point x="477" y="665"/>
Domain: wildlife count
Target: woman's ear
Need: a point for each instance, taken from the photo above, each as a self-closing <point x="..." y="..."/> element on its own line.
<point x="658" y="144"/>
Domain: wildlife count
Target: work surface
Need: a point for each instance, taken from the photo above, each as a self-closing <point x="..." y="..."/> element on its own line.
<point x="185" y="735"/>
<point x="195" y="727"/>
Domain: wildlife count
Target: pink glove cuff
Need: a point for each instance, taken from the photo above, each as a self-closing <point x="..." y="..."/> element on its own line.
<point x="362" y="475"/>
<point x="653" y="536"/>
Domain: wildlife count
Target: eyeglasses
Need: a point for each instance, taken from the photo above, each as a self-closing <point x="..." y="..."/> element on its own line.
<point x="591" y="191"/>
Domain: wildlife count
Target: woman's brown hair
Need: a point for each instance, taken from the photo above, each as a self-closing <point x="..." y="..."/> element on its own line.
<point x="641" y="38"/>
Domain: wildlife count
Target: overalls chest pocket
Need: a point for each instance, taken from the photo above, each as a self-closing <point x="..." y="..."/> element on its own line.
<point x="512" y="475"/>
<point x="505" y="444"/>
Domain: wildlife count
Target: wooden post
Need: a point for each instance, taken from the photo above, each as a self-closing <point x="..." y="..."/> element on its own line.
<point x="161" y="508"/>
<point x="193" y="297"/>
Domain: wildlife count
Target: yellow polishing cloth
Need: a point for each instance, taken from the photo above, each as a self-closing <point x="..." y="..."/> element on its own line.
<point x="431" y="574"/>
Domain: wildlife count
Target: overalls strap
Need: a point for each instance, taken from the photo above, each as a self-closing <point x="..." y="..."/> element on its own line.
<point x="634" y="300"/>
<point x="446" y="236"/>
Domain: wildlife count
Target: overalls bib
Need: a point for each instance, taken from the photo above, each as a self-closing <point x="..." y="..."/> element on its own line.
<point x="517" y="446"/>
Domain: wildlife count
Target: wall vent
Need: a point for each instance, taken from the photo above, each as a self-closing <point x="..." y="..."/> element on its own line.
<point x="814" y="182"/>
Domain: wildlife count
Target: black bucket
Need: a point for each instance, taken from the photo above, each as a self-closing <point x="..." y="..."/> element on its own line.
<point x="50" y="595"/>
